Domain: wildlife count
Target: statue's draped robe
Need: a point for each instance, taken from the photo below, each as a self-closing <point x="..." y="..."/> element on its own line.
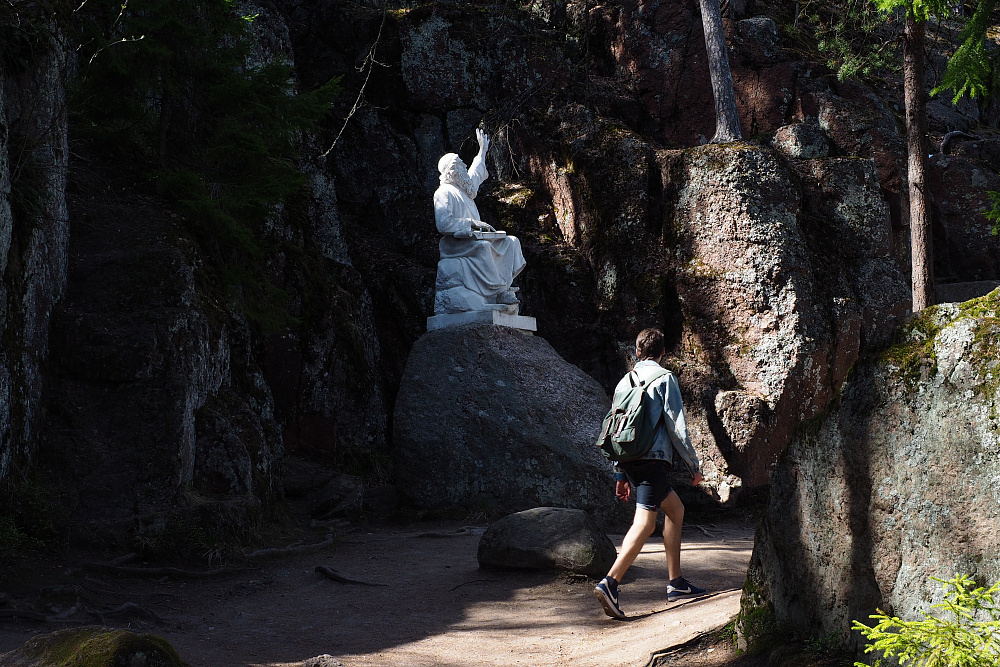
<point x="484" y="267"/>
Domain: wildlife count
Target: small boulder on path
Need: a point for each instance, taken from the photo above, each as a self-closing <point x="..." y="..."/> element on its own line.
<point x="548" y="538"/>
<point x="93" y="645"/>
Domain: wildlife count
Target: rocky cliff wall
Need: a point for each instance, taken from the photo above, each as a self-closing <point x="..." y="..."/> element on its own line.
<point x="769" y="274"/>
<point x="34" y="234"/>
<point x="896" y="483"/>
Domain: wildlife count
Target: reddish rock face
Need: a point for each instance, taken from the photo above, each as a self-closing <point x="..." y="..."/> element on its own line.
<point x="964" y="248"/>
<point x="770" y="300"/>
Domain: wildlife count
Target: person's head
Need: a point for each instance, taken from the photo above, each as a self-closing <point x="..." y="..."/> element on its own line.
<point x="649" y="345"/>
<point x="454" y="172"/>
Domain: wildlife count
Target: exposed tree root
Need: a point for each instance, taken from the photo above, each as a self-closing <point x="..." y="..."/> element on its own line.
<point x="156" y="572"/>
<point x="291" y="550"/>
<point x="15" y="614"/>
<point x="336" y="576"/>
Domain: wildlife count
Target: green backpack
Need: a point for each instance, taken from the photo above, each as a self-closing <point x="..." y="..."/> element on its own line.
<point x="627" y="434"/>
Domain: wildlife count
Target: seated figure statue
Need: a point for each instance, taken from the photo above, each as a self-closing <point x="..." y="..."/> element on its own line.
<point x="478" y="263"/>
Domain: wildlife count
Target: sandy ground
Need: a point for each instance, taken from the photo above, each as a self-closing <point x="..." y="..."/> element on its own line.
<point x="437" y="607"/>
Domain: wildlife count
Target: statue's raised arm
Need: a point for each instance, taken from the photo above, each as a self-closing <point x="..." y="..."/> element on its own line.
<point x="474" y="273"/>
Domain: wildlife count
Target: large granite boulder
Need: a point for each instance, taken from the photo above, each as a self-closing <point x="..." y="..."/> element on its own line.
<point x="547" y="538"/>
<point x="782" y="287"/>
<point x="491" y="417"/>
<point x="897" y="484"/>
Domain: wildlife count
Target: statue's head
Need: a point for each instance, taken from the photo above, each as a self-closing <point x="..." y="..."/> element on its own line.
<point x="454" y="172"/>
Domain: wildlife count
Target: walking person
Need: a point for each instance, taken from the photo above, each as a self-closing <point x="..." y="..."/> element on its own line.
<point x="650" y="475"/>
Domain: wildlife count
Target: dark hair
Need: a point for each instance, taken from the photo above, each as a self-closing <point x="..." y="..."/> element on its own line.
<point x="649" y="344"/>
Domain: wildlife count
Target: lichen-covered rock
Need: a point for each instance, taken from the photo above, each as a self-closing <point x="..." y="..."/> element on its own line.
<point x="338" y="496"/>
<point x="759" y="38"/>
<point x="545" y="538"/>
<point x="801" y="141"/>
<point x="894" y="485"/>
<point x="93" y="646"/>
<point x="489" y="417"/>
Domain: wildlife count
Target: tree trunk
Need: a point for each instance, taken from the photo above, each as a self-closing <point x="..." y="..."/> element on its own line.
<point x="921" y="248"/>
<point x="727" y="121"/>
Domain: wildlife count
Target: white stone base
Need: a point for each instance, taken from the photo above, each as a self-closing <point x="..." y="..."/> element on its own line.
<point x="498" y="317"/>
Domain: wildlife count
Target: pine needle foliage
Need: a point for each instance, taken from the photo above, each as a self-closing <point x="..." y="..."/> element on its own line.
<point x="971" y="69"/>
<point x="172" y="91"/>
<point x="967" y="634"/>
<point x="853" y="36"/>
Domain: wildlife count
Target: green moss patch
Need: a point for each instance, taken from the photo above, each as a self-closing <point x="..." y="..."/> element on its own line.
<point x="911" y="355"/>
<point x="94" y="646"/>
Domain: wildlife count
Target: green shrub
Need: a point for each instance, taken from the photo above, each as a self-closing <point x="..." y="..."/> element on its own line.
<point x="30" y="517"/>
<point x="993" y="212"/>
<point x="970" y="638"/>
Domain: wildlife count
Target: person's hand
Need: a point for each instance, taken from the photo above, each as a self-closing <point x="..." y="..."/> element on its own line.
<point x="623" y="490"/>
<point x="482" y="226"/>
<point x="483" y="140"/>
<point x="696" y="480"/>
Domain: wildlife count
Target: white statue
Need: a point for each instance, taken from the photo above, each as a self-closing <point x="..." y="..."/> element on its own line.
<point x="478" y="263"/>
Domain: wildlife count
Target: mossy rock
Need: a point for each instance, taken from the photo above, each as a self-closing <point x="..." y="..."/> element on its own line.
<point x="93" y="646"/>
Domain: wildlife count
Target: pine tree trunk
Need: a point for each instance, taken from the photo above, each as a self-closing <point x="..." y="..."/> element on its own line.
<point x="921" y="248"/>
<point x="727" y="121"/>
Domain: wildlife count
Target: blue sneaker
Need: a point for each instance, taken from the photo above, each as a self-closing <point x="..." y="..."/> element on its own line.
<point x="685" y="590"/>
<point x="607" y="594"/>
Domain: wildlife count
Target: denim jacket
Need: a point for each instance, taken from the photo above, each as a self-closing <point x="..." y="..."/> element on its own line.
<point x="671" y="433"/>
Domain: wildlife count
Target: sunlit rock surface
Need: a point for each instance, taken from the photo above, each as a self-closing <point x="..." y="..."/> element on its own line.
<point x="897" y="483"/>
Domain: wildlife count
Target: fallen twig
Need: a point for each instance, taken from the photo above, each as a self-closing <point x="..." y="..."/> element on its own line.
<point x="336" y="576"/>
<point x="464" y="530"/>
<point x="124" y="560"/>
<point x="701" y="528"/>
<point x="473" y="581"/>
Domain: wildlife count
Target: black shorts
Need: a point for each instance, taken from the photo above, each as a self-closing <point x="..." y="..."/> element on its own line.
<point x="651" y="479"/>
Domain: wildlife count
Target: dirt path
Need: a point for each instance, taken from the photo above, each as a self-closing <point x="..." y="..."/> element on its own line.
<point x="438" y="607"/>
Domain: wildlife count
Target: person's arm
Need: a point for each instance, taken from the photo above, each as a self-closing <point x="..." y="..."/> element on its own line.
<point x="477" y="170"/>
<point x="676" y="424"/>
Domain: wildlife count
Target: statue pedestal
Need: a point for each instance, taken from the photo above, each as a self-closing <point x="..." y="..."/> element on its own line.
<point x="504" y="316"/>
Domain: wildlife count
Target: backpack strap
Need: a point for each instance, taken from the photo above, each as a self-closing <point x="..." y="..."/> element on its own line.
<point x="651" y="379"/>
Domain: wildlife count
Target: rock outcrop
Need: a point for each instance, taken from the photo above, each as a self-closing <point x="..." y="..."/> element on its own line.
<point x="34" y="234"/>
<point x="154" y="407"/>
<point x="895" y="484"/>
<point x="491" y="418"/>
<point x="547" y="538"/>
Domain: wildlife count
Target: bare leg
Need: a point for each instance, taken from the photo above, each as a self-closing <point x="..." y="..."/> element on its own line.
<point x="642" y="528"/>
<point x="673" y="509"/>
